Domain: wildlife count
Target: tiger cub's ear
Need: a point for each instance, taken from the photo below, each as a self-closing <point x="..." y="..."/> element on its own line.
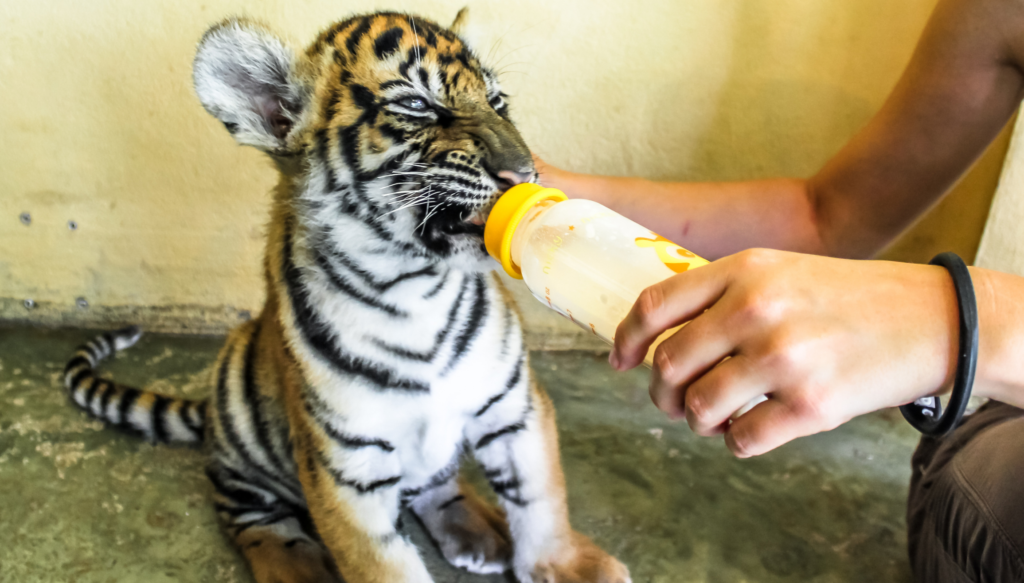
<point x="246" y="77"/>
<point x="469" y="33"/>
<point x="461" y="19"/>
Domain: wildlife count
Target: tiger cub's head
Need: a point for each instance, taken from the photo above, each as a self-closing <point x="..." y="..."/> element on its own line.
<point x="388" y="126"/>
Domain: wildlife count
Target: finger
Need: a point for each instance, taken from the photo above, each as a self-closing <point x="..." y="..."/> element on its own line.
<point x="766" y="427"/>
<point x="543" y="170"/>
<point x="716" y="396"/>
<point x="687" y="355"/>
<point x="666" y="305"/>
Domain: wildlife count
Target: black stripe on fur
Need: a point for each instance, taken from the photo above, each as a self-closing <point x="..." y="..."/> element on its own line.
<point x="128" y="398"/>
<point x="507" y="430"/>
<point x="76" y="362"/>
<point x="342" y="285"/>
<point x="89" y="394"/>
<point x="318" y="337"/>
<point x="447" y="503"/>
<point x="88" y="348"/>
<point x="159" y="418"/>
<point x="477" y="313"/>
<point x="436" y="481"/>
<point x="110" y="391"/>
<point x="510" y="384"/>
<point x="437" y="288"/>
<point x="387" y="42"/>
<point x="439" y="338"/>
<point x="352" y="42"/>
<point x="79" y="377"/>
<point x="508" y="490"/>
<point x="227" y="424"/>
<point x="251" y="397"/>
<point x="360" y="487"/>
<point x="369" y="280"/>
<point x="317" y="409"/>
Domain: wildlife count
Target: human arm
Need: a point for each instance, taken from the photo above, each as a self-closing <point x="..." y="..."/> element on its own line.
<point x="713" y="218"/>
<point x="959" y="89"/>
<point x="828" y="339"/>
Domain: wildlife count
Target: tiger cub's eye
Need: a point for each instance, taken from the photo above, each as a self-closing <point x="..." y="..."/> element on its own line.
<point x="414" y="103"/>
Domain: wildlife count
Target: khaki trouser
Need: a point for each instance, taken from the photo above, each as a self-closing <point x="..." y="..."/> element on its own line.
<point x="965" y="513"/>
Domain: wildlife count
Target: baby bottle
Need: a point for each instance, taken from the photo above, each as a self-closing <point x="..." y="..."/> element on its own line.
<point x="581" y="259"/>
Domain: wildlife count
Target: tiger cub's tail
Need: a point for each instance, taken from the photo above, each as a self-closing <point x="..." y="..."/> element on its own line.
<point x="159" y="418"/>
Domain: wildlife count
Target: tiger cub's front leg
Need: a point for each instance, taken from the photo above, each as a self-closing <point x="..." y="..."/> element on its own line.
<point x="356" y="517"/>
<point x="520" y="458"/>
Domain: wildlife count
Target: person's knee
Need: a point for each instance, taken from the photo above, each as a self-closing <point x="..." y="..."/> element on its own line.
<point x="970" y="521"/>
<point x="990" y="470"/>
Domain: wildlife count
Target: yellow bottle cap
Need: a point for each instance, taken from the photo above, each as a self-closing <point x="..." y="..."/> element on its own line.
<point x="505" y="217"/>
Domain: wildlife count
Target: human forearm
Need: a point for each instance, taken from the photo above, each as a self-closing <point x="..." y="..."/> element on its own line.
<point x="712" y="219"/>
<point x="1000" y="373"/>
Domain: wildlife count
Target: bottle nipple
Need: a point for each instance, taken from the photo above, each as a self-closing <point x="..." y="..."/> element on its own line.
<point x="505" y="217"/>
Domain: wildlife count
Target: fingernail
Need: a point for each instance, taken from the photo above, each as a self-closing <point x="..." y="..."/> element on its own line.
<point x="730" y="442"/>
<point x="613" y="359"/>
<point x="654" y="389"/>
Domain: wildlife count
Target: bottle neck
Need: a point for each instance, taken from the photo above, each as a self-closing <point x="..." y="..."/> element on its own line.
<point x="520" y="236"/>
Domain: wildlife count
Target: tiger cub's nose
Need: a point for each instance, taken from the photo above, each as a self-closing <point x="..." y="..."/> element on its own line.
<point x="511" y="178"/>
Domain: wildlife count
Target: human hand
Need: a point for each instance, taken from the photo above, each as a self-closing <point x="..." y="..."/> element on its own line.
<point x="546" y="173"/>
<point x="824" y="339"/>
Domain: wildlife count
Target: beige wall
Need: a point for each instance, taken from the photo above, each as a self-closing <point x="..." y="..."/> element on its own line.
<point x="100" y="126"/>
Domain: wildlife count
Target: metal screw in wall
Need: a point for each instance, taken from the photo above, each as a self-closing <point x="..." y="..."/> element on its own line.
<point x="73" y="225"/>
<point x="29" y="303"/>
<point x="82" y="303"/>
<point x="26" y="219"/>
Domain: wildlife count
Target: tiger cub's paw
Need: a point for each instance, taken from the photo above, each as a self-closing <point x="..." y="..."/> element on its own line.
<point x="581" y="562"/>
<point x="276" y="559"/>
<point x="477" y="541"/>
<point x="471" y="533"/>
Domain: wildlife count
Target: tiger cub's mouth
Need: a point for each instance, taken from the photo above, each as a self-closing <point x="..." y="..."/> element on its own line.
<point x="463" y="228"/>
<point x="456" y="221"/>
<point x="471" y="222"/>
<point x="461" y="221"/>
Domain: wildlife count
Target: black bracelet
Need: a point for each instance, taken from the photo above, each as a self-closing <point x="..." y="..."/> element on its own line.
<point x="925" y="414"/>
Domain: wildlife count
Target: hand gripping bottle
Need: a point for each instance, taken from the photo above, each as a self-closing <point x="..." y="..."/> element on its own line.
<point x="581" y="259"/>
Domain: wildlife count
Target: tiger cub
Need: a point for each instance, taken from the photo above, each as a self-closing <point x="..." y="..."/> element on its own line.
<point x="386" y="350"/>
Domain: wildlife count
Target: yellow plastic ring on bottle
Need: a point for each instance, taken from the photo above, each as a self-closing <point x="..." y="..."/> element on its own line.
<point x="505" y="217"/>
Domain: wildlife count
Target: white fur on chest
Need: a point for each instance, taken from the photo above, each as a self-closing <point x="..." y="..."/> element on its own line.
<point x="426" y="429"/>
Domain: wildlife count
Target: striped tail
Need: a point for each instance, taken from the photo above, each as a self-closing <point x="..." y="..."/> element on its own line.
<point x="159" y="418"/>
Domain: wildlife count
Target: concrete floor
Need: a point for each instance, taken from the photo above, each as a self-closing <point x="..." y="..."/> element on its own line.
<point x="82" y="503"/>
